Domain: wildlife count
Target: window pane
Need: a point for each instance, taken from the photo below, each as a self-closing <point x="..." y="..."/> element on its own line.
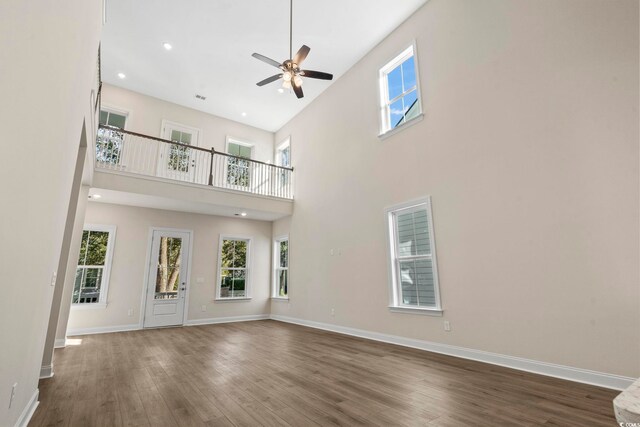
<point x="245" y="152"/>
<point x="284" y="253"/>
<point x="394" y="82"/>
<point x="284" y="157"/>
<point x="103" y="117"/>
<point x="86" y="289"/>
<point x="237" y="283"/>
<point x="225" y="283"/>
<point x="168" y="273"/>
<point x="408" y="74"/>
<point x="234" y="149"/>
<point x="175" y="136"/>
<point x="83" y="247"/>
<point x="117" y="120"/>
<point x="412" y="105"/>
<point x="240" y="254"/>
<point x="396" y="113"/>
<point x="185" y="138"/>
<point x="96" y="252"/>
<point x="282" y="283"/>
<point x="417" y="285"/>
<point x="413" y="234"/>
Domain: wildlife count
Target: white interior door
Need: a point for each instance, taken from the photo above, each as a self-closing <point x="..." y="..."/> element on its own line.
<point x="178" y="161"/>
<point x="167" y="278"/>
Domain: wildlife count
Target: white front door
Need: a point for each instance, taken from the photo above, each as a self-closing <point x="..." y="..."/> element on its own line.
<point x="167" y="279"/>
<point x="177" y="161"/>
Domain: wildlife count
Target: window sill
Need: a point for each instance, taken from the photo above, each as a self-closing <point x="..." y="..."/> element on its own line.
<point x="399" y="128"/>
<point x="283" y="299"/>
<point x="89" y="306"/>
<point x="411" y="310"/>
<point x="233" y="299"/>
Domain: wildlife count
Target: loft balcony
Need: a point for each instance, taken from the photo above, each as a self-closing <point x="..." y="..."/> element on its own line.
<point x="147" y="171"/>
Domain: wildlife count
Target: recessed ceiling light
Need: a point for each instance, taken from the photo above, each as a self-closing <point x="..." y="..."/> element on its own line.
<point x="280" y="90"/>
<point x="244" y="114"/>
<point x="167" y="46"/>
<point x="121" y="75"/>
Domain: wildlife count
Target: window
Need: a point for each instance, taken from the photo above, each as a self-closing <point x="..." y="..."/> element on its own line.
<point x="110" y="142"/>
<point x="179" y="155"/>
<point x="94" y="264"/>
<point x="399" y="91"/>
<point x="281" y="267"/>
<point x="233" y="280"/>
<point x="237" y="167"/>
<point x="283" y="158"/>
<point x="413" y="270"/>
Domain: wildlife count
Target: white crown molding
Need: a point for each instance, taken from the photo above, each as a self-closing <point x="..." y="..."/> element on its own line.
<point x="616" y="382"/>
<point x="28" y="410"/>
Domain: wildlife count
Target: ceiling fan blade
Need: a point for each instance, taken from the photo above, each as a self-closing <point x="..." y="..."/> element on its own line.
<point x="297" y="89"/>
<point x="267" y="60"/>
<point x="317" y="75"/>
<point x="269" y="80"/>
<point x="301" y="54"/>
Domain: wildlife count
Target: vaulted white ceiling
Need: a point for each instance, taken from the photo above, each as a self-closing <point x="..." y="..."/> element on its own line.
<point x="212" y="42"/>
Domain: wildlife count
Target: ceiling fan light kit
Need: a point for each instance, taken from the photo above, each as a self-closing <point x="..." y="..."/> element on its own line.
<point x="291" y="74"/>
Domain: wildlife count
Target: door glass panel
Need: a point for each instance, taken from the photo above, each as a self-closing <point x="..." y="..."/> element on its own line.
<point x="168" y="276"/>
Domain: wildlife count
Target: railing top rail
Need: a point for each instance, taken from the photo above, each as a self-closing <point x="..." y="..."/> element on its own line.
<point x="166" y="141"/>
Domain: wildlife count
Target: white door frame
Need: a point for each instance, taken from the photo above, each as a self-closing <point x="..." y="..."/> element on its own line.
<point x="143" y="303"/>
<point x="161" y="167"/>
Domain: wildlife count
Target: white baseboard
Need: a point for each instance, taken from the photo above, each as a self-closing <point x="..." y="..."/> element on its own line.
<point x="60" y="343"/>
<point x="46" y="371"/>
<point x="601" y="379"/>
<point x="102" y="330"/>
<point x="28" y="411"/>
<point x="214" y="320"/>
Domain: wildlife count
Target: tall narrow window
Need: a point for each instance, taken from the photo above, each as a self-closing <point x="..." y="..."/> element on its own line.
<point x="233" y="279"/>
<point x="281" y="268"/>
<point x="413" y="276"/>
<point x="94" y="264"/>
<point x="237" y="166"/>
<point x="399" y="91"/>
<point x="110" y="142"/>
<point x="283" y="158"/>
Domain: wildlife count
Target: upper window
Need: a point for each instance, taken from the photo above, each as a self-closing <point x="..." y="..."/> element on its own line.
<point x="94" y="264"/>
<point x="283" y="158"/>
<point x="281" y="268"/>
<point x="110" y="142"/>
<point x="399" y="92"/>
<point x="233" y="277"/>
<point x="413" y="276"/>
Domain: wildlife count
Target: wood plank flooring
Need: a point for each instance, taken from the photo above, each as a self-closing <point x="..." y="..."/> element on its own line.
<point x="268" y="373"/>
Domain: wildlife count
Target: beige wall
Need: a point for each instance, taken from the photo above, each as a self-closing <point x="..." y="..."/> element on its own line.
<point x="48" y="53"/>
<point x="529" y="149"/>
<point x="130" y="253"/>
<point x="147" y="113"/>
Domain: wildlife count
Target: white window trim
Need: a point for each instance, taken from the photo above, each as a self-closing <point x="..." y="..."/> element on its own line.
<point x="383" y="90"/>
<point x="276" y="266"/>
<point x="106" y="271"/>
<point x="247" y="280"/>
<point x="394" y="288"/>
<point x="232" y="140"/>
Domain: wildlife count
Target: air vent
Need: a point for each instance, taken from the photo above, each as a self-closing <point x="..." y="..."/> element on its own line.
<point x="201" y="97"/>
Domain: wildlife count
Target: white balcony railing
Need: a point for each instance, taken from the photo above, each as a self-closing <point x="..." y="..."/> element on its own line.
<point x="130" y="152"/>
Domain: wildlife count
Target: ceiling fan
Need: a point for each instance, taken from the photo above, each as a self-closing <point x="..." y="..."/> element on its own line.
<point x="291" y="74"/>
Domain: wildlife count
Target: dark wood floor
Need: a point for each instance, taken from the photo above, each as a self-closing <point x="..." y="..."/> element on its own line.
<point x="271" y="373"/>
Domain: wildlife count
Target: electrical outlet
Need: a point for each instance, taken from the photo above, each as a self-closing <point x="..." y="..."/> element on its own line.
<point x="333" y="311"/>
<point x="13" y="393"/>
<point x="203" y="308"/>
<point x="130" y="312"/>
<point x="54" y="275"/>
<point x="447" y="326"/>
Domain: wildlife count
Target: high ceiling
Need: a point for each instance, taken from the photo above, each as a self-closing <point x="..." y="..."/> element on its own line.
<point x="212" y="42"/>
